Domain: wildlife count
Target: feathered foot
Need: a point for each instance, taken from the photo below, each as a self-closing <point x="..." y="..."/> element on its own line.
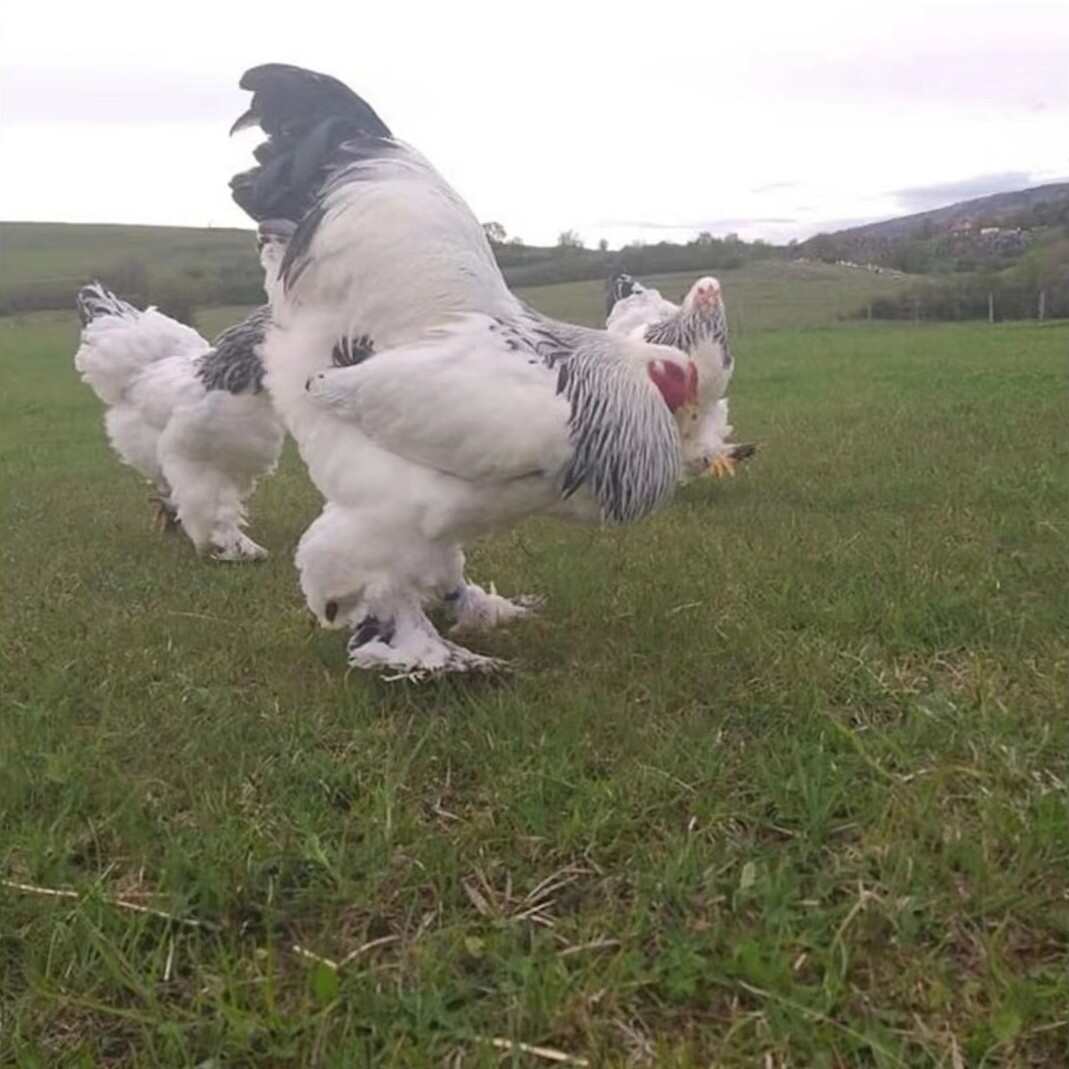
<point x="238" y="547"/>
<point x="409" y="648"/>
<point x="724" y="464"/>
<point x="477" y="610"/>
<point x="721" y="467"/>
<point x="164" y="514"/>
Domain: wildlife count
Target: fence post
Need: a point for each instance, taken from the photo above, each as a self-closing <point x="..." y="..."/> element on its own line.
<point x="1042" y="304"/>
<point x="991" y="307"/>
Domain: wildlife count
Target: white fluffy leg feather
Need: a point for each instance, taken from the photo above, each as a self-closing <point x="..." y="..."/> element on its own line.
<point x="408" y="647"/>
<point x="212" y="453"/>
<point x="372" y="571"/>
<point x="478" y="610"/>
<point x="237" y="546"/>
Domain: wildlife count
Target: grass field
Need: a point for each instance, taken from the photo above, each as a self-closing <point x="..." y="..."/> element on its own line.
<point x="780" y="780"/>
<point x="175" y="260"/>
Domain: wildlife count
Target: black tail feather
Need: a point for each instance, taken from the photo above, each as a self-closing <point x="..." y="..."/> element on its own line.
<point x="307" y="118"/>
<point x="619" y="286"/>
<point x="285" y="98"/>
<point x="94" y="301"/>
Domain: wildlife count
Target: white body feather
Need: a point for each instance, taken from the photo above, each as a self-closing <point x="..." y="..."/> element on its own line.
<point x="634" y="314"/>
<point x="203" y="449"/>
<point x="117" y="350"/>
<point x="444" y="433"/>
<point x="704" y="429"/>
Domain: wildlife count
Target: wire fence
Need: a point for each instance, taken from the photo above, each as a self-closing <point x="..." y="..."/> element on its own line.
<point x="746" y="313"/>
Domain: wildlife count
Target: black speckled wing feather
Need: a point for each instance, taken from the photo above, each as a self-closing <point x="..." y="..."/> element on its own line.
<point x="233" y="362"/>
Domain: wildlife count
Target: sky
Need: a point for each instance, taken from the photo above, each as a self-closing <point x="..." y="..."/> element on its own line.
<point x="622" y="121"/>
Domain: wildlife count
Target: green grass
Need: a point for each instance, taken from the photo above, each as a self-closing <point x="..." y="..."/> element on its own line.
<point x="781" y="779"/>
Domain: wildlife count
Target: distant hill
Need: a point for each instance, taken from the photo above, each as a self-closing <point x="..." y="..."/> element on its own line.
<point x="1009" y="252"/>
<point x="1024" y="207"/>
<point x="178" y="268"/>
<point x="985" y="233"/>
<point x="1005" y="256"/>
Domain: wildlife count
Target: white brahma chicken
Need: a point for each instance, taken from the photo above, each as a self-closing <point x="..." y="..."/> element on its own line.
<point x="191" y="416"/>
<point x="698" y="327"/>
<point x="429" y="404"/>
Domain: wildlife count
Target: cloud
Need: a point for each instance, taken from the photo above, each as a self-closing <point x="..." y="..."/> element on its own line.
<point x="939" y="194"/>
<point x="832" y="226"/>
<point x="773" y="187"/>
<point x="116" y="96"/>
<point x="1015" y="66"/>
<point x="712" y="225"/>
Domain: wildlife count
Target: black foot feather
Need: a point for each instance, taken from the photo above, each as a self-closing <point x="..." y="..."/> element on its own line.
<point x="369" y="629"/>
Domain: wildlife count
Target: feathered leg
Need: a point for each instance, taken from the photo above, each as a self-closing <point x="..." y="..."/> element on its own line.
<point x="711" y="453"/>
<point x="210" y="507"/>
<point x="212" y="454"/>
<point x="138" y="444"/>
<point x="164" y="510"/>
<point x="725" y="463"/>
<point x="399" y="638"/>
<point x="475" y="609"/>
<point x="357" y="572"/>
